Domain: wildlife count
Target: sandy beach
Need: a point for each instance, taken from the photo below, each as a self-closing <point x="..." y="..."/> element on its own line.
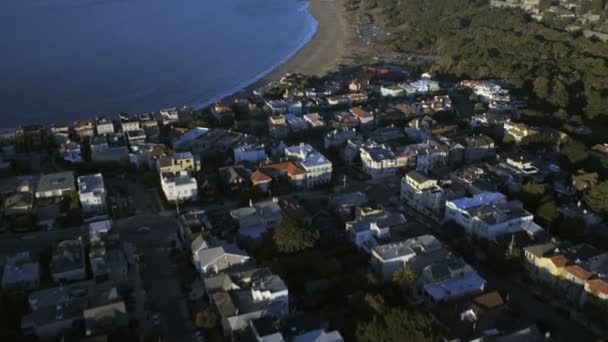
<point x="329" y="48"/>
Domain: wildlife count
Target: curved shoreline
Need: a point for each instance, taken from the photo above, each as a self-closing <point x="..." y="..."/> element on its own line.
<point x="314" y="27"/>
<point x="324" y="50"/>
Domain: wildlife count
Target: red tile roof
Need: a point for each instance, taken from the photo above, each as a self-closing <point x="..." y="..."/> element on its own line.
<point x="578" y="272"/>
<point x="598" y="286"/>
<point x="559" y="260"/>
<point x="358" y="111"/>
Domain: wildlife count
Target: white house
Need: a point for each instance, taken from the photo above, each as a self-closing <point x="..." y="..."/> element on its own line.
<point x="391" y="91"/>
<point x="92" y="194"/>
<point x="371" y="226"/>
<point x="179" y="187"/>
<point x="253" y="152"/>
<point x="423" y="194"/>
<point x="296" y="123"/>
<point x="388" y="258"/>
<point x="451" y="278"/>
<point x="104" y="126"/>
<point x="458" y="210"/>
<point x="255" y="219"/>
<point x="378" y="160"/>
<point x="55" y="185"/>
<point x="318" y="168"/>
<point x="169" y="115"/>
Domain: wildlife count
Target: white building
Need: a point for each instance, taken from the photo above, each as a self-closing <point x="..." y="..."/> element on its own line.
<point x="169" y="115"/>
<point x="458" y="210"/>
<point x="314" y="120"/>
<point x="423" y="194"/>
<point x="21" y="272"/>
<point x="318" y="168"/>
<point x="391" y="91"/>
<point x="129" y="124"/>
<point x="378" y="160"/>
<point x="451" y="278"/>
<point x="179" y="187"/>
<point x="371" y="226"/>
<point x="257" y="218"/>
<point x="55" y="185"/>
<point x="296" y="123"/>
<point x="388" y="258"/>
<point x="104" y="126"/>
<point x="92" y="194"/>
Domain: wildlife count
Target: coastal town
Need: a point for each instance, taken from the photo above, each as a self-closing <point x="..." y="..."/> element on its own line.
<point x="379" y="203"/>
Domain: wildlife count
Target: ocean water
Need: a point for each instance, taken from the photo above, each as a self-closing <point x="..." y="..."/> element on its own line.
<point x="64" y="60"/>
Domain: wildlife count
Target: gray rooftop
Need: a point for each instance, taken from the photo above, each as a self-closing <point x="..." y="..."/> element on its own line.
<point x="56" y="181"/>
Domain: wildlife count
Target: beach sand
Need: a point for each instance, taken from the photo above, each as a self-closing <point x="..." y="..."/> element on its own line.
<point x="331" y="46"/>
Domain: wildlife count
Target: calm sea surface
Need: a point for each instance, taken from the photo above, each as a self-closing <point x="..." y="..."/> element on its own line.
<point x="63" y="60"/>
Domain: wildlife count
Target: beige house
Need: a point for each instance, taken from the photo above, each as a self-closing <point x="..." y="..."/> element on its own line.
<point x="179" y="162"/>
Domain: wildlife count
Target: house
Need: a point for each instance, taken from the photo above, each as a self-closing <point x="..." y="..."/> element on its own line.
<point x="277" y="126"/>
<point x="68" y="261"/>
<point x="116" y="154"/>
<point x="136" y="136"/>
<point x="179" y="186"/>
<point x="598" y="288"/>
<point x="338" y="100"/>
<point x="250" y="150"/>
<point x="296" y="211"/>
<point x="378" y="160"/>
<point x="56" y="311"/>
<point x="457" y="210"/>
<point x="391" y="90"/>
<point x="55" y="185"/>
<point x="296" y="124"/>
<point x="314" y="120"/>
<point x="216" y="259"/>
<point x="243" y="297"/>
<point x="347" y="120"/>
<point x="388" y="258"/>
<point x="128" y="124"/>
<point x="478" y="147"/>
<point x="448" y="279"/>
<point x="423" y="194"/>
<point x="20" y="203"/>
<point x="188" y="140"/>
<point x="104" y="126"/>
<point x="338" y="137"/>
<point x="264" y="175"/>
<point x="169" y="115"/>
<point x="21" y="272"/>
<point x="424" y="85"/>
<point x="278" y="106"/>
<point x="583" y="181"/>
<point x="318" y="168"/>
<point x="190" y="225"/>
<point x="372" y="225"/>
<point x="365" y="118"/>
<point x="254" y="220"/>
<point x="28" y="138"/>
<point x="177" y="163"/>
<point x="518" y="131"/>
<point x="92" y="194"/>
<point x="222" y="113"/>
<point x="234" y="177"/>
<point x="386" y="134"/>
<point x="84" y="129"/>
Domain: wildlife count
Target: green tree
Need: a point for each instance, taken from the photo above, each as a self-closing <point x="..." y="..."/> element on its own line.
<point x="404" y="277"/>
<point x="548" y="212"/>
<point x="397" y="325"/>
<point x="290" y="237"/>
<point x="207" y="318"/>
<point x="575" y="152"/>
<point x="597" y="198"/>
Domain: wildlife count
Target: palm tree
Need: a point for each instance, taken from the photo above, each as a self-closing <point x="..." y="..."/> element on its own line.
<point x="404" y="277"/>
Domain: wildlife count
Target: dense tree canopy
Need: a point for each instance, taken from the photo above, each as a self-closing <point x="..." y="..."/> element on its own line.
<point x="397" y="325"/>
<point x="557" y="69"/>
<point x="575" y="152"/>
<point x="597" y="198"/>
<point x="290" y="237"/>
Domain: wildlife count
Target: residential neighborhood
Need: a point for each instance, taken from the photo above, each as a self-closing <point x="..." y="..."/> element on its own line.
<point x="307" y="213"/>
